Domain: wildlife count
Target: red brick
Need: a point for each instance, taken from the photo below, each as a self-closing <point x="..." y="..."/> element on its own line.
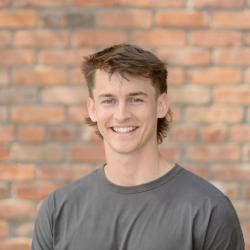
<point x="41" y="39"/>
<point x="3" y="113"/>
<point x="124" y="19"/>
<point x="247" y="194"/>
<point x="65" y="57"/>
<point x="3" y="191"/>
<point x="234" y="56"/>
<point x="177" y="113"/>
<point x="98" y="38"/>
<point x="158" y="38"/>
<point x="39" y="76"/>
<point x="210" y="153"/>
<point x="154" y="4"/>
<point x="232" y="95"/>
<point x="49" y="152"/>
<point x="88" y="152"/>
<point x="88" y="134"/>
<point x="185" y="56"/>
<point x="37" y="114"/>
<point x="15" y="243"/>
<point x="243" y="210"/>
<point x="17" y="19"/>
<point x="43" y="4"/>
<point x="234" y="172"/>
<point x="187" y="19"/>
<point x="17" y="57"/>
<point x="229" y="189"/>
<point x="248" y="115"/>
<point x="199" y="170"/>
<point x="213" y="134"/>
<point x="4" y="152"/>
<point x="64" y="95"/>
<point x="218" y="4"/>
<point x="240" y="133"/>
<point x="16" y="209"/>
<point x="215" y="75"/>
<point x="216" y="38"/>
<point x="76" y="77"/>
<point x="189" y="95"/>
<point x="5" y="39"/>
<point x="63" y="172"/>
<point x="3" y="229"/>
<point x="17" y="172"/>
<point x="61" y="134"/>
<point x="246" y="39"/>
<point x="170" y="153"/>
<point x="33" y="191"/>
<point x="5" y="3"/>
<point x="175" y="76"/>
<point x="183" y="134"/>
<point x="98" y="3"/>
<point x="31" y="134"/>
<point x="233" y="20"/>
<point x="215" y="113"/>
<point x="246" y="153"/>
<point x="247" y="76"/>
<point x="7" y="133"/>
<point x="77" y="114"/>
<point x="4" y="78"/>
<point x="25" y="229"/>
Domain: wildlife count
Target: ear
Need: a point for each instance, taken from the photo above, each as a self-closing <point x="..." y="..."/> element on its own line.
<point x="162" y="105"/>
<point x="91" y="109"/>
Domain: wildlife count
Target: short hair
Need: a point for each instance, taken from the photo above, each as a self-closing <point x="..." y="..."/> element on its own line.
<point x="131" y="60"/>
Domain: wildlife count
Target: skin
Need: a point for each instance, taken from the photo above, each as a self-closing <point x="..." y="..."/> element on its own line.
<point x="132" y="158"/>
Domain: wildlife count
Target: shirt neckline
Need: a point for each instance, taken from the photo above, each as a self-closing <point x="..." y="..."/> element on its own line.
<point x="141" y="187"/>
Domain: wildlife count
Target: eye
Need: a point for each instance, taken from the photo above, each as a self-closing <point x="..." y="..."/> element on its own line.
<point x="135" y="100"/>
<point x="108" y="101"/>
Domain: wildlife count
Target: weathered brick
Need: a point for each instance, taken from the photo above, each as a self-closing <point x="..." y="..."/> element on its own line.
<point x="154" y="4"/>
<point x="39" y="76"/>
<point x="77" y="114"/>
<point x="17" y="57"/>
<point x="210" y="153"/>
<point x="246" y="38"/>
<point x="232" y="20"/>
<point x="3" y="193"/>
<point x="183" y="134"/>
<point x="243" y="210"/>
<point x="213" y="133"/>
<point x="187" y="19"/>
<point x="229" y="189"/>
<point x="88" y="152"/>
<point x="5" y="3"/>
<point x="170" y="153"/>
<point x="44" y="3"/>
<point x="216" y="38"/>
<point x="240" y="133"/>
<point x="17" y="19"/>
<point x="218" y="4"/>
<point x="76" y="77"/>
<point x="16" y="209"/>
<point x="189" y="95"/>
<point x="83" y="19"/>
<point x="7" y="133"/>
<point x="65" y="57"/>
<point x="158" y="38"/>
<point x="4" y="77"/>
<point x="65" y="95"/>
<point x="4" y="152"/>
<point x="37" y="114"/>
<point x="200" y="170"/>
<point x="175" y="76"/>
<point x="44" y="152"/>
<point x="31" y="134"/>
<point x="234" y="56"/>
<point x="61" y="134"/>
<point x="3" y="229"/>
<point x="247" y="76"/>
<point x="246" y="153"/>
<point x="41" y="39"/>
<point x="185" y="56"/>
<point x="215" y="75"/>
<point x="15" y="243"/>
<point x="17" y="172"/>
<point x="3" y="113"/>
<point x="20" y="95"/>
<point x="232" y="95"/>
<point x="5" y="39"/>
<point x="63" y="172"/>
<point x="33" y="191"/>
<point x="214" y="114"/>
<point x="98" y="38"/>
<point x="24" y="229"/>
<point x="124" y="18"/>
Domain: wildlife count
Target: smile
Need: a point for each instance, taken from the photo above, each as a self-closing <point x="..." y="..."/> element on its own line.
<point x="123" y="130"/>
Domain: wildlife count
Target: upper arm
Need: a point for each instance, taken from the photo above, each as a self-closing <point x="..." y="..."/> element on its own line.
<point x="42" y="238"/>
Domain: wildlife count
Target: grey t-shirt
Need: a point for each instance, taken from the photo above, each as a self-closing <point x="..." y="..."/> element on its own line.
<point x="178" y="211"/>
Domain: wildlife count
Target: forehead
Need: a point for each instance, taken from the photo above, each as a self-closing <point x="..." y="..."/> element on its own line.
<point x="117" y="84"/>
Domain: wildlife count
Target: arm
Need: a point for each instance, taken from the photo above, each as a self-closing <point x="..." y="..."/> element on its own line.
<point x="42" y="238"/>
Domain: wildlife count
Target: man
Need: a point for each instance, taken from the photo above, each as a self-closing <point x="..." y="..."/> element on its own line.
<point x="136" y="200"/>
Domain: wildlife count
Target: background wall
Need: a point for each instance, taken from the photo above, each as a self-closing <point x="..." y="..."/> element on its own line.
<point x="43" y="140"/>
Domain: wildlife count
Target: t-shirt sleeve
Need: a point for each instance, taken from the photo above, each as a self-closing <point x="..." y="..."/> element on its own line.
<point x="224" y="231"/>
<point x="42" y="238"/>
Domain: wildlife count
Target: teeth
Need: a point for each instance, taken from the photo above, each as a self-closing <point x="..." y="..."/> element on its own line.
<point x="123" y="129"/>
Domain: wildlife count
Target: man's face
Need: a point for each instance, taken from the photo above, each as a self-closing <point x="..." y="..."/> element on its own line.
<point x="126" y="111"/>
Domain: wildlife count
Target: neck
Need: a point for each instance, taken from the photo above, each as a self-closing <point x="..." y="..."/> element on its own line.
<point x="135" y="169"/>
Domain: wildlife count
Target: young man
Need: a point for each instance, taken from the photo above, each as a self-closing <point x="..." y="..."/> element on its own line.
<point x="136" y="200"/>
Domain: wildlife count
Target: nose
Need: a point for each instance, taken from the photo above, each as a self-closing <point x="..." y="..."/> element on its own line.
<point x="122" y="112"/>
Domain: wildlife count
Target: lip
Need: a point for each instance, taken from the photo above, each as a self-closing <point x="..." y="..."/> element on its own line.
<point x="124" y="134"/>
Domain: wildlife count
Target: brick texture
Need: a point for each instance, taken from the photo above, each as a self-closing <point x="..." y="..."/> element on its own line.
<point x="44" y="142"/>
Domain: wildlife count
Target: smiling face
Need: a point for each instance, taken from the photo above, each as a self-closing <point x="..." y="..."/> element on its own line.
<point x="126" y="112"/>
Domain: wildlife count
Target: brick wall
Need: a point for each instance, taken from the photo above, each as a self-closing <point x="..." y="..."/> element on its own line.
<point x="43" y="141"/>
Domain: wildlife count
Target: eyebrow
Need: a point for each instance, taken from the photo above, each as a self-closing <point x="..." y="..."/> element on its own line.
<point x="139" y="93"/>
